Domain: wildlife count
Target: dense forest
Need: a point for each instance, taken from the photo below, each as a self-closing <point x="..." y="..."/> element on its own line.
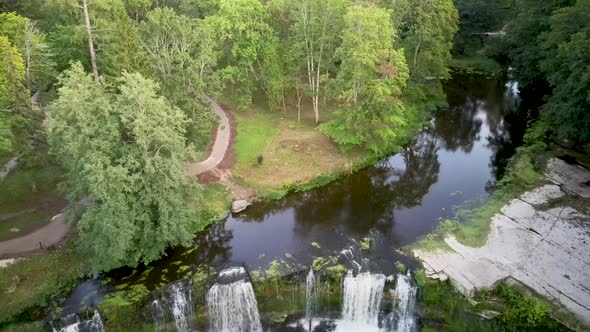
<point x="126" y="84"/>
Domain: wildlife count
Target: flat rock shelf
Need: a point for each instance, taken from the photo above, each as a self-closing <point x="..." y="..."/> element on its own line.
<point x="546" y="250"/>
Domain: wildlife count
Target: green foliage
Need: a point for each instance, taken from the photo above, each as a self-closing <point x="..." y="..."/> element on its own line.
<point x="370" y="82"/>
<point x="427" y="30"/>
<point x="37" y="282"/>
<point x="566" y="64"/>
<point x="181" y="54"/>
<point x="478" y="17"/>
<point x="524" y="313"/>
<point x="31" y="44"/>
<point x="126" y="150"/>
<point x="14" y="98"/>
<point x="242" y="27"/>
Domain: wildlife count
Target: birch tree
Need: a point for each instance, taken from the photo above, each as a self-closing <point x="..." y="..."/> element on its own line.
<point x="316" y="32"/>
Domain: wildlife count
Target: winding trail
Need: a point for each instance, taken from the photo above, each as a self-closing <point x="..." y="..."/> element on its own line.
<point x="51" y="234"/>
<point x="220" y="146"/>
<point x="57" y="229"/>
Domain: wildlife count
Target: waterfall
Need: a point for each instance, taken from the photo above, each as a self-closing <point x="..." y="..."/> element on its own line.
<point x="158" y="315"/>
<point x="309" y="297"/>
<point x="232" y="304"/>
<point x="174" y="302"/>
<point x="362" y="302"/>
<point x="182" y="307"/>
<point x="72" y="323"/>
<point x="405" y="300"/>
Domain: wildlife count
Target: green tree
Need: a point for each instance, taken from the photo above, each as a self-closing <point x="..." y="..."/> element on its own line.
<point x="316" y="36"/>
<point x="522" y="38"/>
<point x="370" y="82"/>
<point x="427" y="29"/>
<point x="566" y="64"/>
<point x="37" y="59"/>
<point x="245" y="33"/>
<point x="126" y="151"/>
<point x="14" y="99"/>
<point x="182" y="55"/>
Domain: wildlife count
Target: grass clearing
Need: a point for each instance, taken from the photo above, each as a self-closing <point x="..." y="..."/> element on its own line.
<point x="276" y="152"/>
<point x="23" y="224"/>
<point x="476" y="65"/>
<point x="217" y="198"/>
<point x="28" y="200"/>
<point x="34" y="282"/>
<point x="26" y="188"/>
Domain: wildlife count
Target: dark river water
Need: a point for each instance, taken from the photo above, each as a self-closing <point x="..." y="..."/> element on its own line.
<point x="395" y="202"/>
<point x="401" y="199"/>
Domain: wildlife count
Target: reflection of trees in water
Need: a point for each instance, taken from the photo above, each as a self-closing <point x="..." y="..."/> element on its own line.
<point x="367" y="200"/>
<point x="213" y="246"/>
<point x="458" y="127"/>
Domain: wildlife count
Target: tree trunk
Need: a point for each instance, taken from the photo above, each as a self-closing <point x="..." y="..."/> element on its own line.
<point x="416" y="55"/>
<point x="90" y="42"/>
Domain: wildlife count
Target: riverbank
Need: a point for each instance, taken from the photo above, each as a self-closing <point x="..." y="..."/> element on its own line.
<point x="520" y="234"/>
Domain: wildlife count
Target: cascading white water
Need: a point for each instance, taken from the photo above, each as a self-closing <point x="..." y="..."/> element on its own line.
<point x="72" y="323"/>
<point x="405" y="301"/>
<point x="309" y="297"/>
<point x="182" y="308"/>
<point x="232" y="304"/>
<point x="362" y="301"/>
<point x="158" y="315"/>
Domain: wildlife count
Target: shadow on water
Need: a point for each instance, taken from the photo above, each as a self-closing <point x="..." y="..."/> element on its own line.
<point x="397" y="201"/>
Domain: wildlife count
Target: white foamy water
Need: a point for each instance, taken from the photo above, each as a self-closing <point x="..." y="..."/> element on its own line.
<point x="72" y="323"/>
<point x="405" y="301"/>
<point x="182" y="308"/>
<point x="232" y="306"/>
<point x="361" y="302"/>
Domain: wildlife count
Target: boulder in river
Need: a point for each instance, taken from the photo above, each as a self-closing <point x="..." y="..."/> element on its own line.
<point x="239" y="206"/>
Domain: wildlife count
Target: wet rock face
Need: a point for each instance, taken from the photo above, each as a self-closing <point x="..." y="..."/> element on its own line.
<point x="547" y="250"/>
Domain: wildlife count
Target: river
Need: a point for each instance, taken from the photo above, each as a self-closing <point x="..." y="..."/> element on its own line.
<point x="455" y="162"/>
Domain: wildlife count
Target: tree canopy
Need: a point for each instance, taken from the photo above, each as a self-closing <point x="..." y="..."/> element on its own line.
<point x="124" y="149"/>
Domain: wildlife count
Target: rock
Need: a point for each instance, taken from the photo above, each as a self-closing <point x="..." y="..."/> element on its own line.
<point x="571" y="177"/>
<point x="542" y="194"/>
<point x="239" y="206"/>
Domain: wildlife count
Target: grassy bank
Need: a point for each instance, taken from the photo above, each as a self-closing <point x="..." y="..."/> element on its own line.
<point x="477" y="64"/>
<point x="276" y="153"/>
<point x="506" y="308"/>
<point x="524" y="172"/>
<point x="28" y="200"/>
<point x="29" y="286"/>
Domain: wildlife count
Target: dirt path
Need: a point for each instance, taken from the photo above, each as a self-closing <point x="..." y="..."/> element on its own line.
<point x="220" y="146"/>
<point x="47" y="236"/>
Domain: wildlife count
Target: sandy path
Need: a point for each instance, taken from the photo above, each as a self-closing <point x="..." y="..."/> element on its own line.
<point x="220" y="146"/>
<point x="44" y="237"/>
